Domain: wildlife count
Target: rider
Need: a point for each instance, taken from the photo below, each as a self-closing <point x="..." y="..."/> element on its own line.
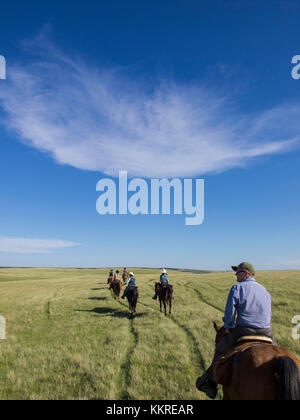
<point x="125" y="273"/>
<point x="248" y="312"/>
<point x="163" y="281"/>
<point x="130" y="283"/>
<point x="115" y="278"/>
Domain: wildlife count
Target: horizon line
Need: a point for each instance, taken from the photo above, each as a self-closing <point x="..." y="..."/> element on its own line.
<point x="203" y="271"/>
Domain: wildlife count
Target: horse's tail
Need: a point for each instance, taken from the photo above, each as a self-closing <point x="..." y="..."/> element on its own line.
<point x="288" y="378"/>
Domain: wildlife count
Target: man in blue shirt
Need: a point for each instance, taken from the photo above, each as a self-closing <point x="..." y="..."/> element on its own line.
<point x="247" y="312"/>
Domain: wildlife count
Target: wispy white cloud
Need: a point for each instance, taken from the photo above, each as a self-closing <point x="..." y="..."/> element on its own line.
<point x="32" y="246"/>
<point x="100" y="120"/>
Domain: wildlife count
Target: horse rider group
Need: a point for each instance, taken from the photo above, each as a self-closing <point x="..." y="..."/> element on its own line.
<point x="131" y="281"/>
<point x="114" y="275"/>
<point x="128" y="279"/>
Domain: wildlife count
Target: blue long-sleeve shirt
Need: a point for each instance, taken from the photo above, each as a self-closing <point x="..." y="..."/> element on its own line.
<point x="250" y="303"/>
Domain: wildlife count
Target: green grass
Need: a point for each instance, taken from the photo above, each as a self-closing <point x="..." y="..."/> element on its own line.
<point x="68" y="339"/>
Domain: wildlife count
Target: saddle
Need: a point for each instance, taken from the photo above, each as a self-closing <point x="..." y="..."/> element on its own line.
<point x="166" y="285"/>
<point x="223" y="367"/>
<point x="134" y="289"/>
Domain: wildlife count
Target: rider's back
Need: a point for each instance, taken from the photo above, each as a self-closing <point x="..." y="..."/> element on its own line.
<point x="253" y="304"/>
<point x="164" y="279"/>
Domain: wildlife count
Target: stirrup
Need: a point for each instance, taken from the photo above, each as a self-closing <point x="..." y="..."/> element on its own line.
<point x="206" y="385"/>
<point x="210" y="389"/>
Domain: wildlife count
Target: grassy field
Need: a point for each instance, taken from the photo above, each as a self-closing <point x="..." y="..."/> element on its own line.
<point x="68" y="339"/>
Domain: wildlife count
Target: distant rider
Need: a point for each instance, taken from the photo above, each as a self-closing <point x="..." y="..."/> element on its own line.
<point x="163" y="281"/>
<point x="125" y="274"/>
<point x="115" y="278"/>
<point x="111" y="276"/>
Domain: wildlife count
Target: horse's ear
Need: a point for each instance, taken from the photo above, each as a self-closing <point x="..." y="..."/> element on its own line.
<point x="216" y="327"/>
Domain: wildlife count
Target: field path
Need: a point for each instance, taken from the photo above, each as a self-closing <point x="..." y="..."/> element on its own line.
<point x="191" y="343"/>
<point x="47" y="307"/>
<point x="195" y="353"/>
<point x="123" y="380"/>
<point x="126" y="367"/>
<point x="200" y="296"/>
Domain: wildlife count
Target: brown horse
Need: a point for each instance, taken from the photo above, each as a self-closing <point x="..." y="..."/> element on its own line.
<point x="116" y="287"/>
<point x="165" y="295"/>
<point x="132" y="295"/>
<point x="110" y="279"/>
<point x="254" y="370"/>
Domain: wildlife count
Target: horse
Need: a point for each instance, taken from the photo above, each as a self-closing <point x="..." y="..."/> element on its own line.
<point x="255" y="370"/>
<point x="132" y="295"/>
<point x="110" y="279"/>
<point x="165" y="295"/>
<point x="116" y="287"/>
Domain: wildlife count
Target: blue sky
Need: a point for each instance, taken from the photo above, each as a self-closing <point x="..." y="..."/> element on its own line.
<point x="198" y="89"/>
